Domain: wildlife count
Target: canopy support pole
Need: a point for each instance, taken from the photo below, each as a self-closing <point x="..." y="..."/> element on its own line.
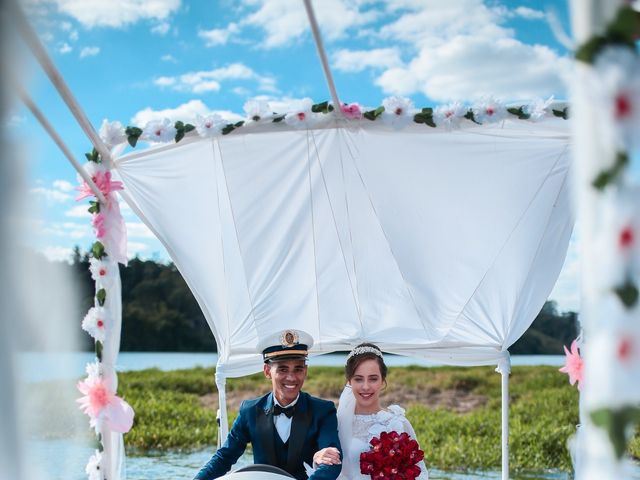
<point x="504" y="369"/>
<point x="323" y="56"/>
<point x="58" y="141"/>
<point x="221" y="383"/>
<point x="58" y="82"/>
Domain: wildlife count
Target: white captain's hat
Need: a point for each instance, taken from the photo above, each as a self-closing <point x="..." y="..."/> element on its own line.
<point x="285" y="345"/>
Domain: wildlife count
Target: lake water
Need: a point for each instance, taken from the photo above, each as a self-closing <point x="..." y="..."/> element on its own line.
<point x="71" y="365"/>
<point x="66" y="458"/>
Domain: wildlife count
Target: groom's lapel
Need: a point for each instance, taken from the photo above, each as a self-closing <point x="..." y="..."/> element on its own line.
<point x="265" y="429"/>
<point x="299" y="427"/>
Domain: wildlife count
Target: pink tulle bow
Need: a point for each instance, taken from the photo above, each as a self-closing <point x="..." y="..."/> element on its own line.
<point x="573" y="365"/>
<point x="100" y="403"/>
<point x="98" y="223"/>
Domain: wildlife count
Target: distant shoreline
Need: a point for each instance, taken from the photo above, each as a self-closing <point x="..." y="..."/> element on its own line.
<point x="71" y="365"/>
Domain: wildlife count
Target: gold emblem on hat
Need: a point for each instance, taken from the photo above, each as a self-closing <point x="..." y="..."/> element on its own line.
<point x="289" y="338"/>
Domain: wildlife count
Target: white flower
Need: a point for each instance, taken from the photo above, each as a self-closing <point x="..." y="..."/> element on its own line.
<point x="616" y="85"/>
<point x="98" y="269"/>
<point x="257" y="110"/>
<point x="617" y="241"/>
<point x="209" y="126"/>
<point x="93" y="466"/>
<point x="95" y="323"/>
<point x="94" y="371"/>
<point x="103" y="272"/>
<point x="112" y="133"/>
<point x="159" y="131"/>
<point x="398" y="111"/>
<point x="301" y="115"/>
<point x="450" y="115"/>
<point x="489" y="110"/>
<point x="538" y="109"/>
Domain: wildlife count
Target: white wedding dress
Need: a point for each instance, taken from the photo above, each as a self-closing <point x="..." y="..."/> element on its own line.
<point x="363" y="429"/>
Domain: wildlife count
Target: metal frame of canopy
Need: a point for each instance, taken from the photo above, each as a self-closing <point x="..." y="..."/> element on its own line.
<point x="588" y="21"/>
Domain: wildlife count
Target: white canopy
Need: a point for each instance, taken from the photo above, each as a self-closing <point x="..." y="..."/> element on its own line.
<point x="428" y="242"/>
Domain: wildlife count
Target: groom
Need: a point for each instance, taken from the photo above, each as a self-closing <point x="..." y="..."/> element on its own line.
<point x="286" y="426"/>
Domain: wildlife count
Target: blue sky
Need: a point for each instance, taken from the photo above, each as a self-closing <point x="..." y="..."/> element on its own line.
<point x="136" y="60"/>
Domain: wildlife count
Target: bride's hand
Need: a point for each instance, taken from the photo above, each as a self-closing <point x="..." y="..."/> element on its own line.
<point x="327" y="456"/>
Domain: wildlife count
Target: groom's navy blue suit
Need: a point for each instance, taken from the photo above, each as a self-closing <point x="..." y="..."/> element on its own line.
<point x="314" y="426"/>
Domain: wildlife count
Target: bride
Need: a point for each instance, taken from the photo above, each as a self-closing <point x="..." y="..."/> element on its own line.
<point x="360" y="415"/>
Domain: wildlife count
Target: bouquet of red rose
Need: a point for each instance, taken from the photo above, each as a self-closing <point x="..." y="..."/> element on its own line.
<point x="393" y="456"/>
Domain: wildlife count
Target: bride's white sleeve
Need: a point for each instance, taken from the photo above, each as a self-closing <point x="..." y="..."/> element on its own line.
<point x="424" y="473"/>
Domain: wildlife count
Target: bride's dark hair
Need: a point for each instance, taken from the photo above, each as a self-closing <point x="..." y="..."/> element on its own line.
<point x="362" y="353"/>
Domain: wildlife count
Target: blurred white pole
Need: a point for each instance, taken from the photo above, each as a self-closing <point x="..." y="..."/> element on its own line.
<point x="504" y="369"/>
<point x="594" y="454"/>
<point x="10" y="440"/>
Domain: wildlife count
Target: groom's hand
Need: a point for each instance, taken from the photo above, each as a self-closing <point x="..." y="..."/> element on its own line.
<point x="327" y="456"/>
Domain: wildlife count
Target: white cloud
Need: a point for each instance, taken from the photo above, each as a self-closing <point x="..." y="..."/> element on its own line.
<point x="46" y="37"/>
<point x="284" y="21"/>
<point x="529" y="13"/>
<point x="65" y="26"/>
<point x="164" y="81"/>
<point x="462" y="51"/>
<point x="138" y="230"/>
<point x="89" y="52"/>
<point x="70" y="230"/>
<point x="210" y="80"/>
<point x="65" y="48"/>
<point x="267" y="84"/>
<point x="357" y="60"/>
<point x="161" y="29"/>
<point x="282" y="104"/>
<point x="51" y="195"/>
<point x="219" y="36"/>
<point x="185" y="112"/>
<point x="135" y="248"/>
<point x="57" y="253"/>
<point x="168" y="58"/>
<point x="202" y="87"/>
<point x="79" y="211"/>
<point x="116" y="13"/>
<point x="73" y="35"/>
<point x="15" y="120"/>
<point x="63" y="185"/>
<point x="469" y="67"/>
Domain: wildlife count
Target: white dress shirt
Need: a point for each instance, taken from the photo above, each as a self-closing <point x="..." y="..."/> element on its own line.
<point x="282" y="422"/>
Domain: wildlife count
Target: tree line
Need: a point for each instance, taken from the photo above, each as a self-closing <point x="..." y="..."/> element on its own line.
<point x="159" y="312"/>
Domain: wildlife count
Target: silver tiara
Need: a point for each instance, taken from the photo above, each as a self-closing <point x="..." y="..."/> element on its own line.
<point x="365" y="349"/>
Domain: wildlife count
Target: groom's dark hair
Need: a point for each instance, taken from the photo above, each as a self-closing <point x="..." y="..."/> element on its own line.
<point x="360" y="354"/>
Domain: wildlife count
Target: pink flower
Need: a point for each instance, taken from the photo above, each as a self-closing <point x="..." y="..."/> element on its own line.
<point x="103" y="181"/>
<point x="96" y="396"/>
<point x="351" y="111"/>
<point x="573" y="365"/>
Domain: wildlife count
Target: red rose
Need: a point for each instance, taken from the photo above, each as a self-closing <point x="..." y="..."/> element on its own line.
<point x="392" y="456"/>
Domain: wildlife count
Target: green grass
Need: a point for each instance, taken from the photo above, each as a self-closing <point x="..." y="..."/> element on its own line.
<point x="174" y="411"/>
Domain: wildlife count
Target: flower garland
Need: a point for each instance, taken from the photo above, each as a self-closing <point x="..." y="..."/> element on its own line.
<point x="106" y="411"/>
<point x="396" y="112"/>
<point x="612" y="325"/>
